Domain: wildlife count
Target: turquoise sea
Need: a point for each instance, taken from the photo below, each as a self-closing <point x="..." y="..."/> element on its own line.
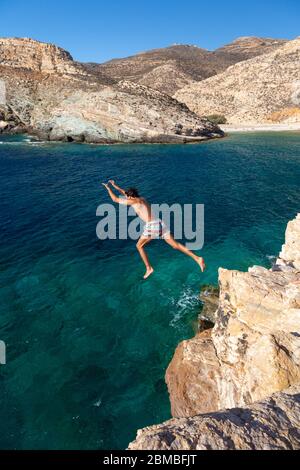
<point x="88" y="341"/>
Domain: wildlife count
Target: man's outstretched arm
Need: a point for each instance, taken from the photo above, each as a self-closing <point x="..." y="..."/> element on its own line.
<point x="122" y="191"/>
<point x="115" y="198"/>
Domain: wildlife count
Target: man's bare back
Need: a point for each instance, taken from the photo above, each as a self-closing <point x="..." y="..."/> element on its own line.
<point x="143" y="209"/>
<point x="154" y="228"/>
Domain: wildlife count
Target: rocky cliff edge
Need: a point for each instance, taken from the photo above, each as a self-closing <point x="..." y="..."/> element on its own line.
<point x="237" y="385"/>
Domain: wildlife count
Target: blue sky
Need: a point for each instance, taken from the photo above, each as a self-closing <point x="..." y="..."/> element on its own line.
<point x="99" y="30"/>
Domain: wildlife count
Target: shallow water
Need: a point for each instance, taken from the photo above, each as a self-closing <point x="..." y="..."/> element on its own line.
<point x="88" y="341"/>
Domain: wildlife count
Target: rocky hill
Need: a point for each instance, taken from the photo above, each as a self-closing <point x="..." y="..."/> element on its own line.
<point x="259" y="90"/>
<point x="237" y="385"/>
<point x="165" y="69"/>
<point x="44" y="91"/>
<point x="169" y="69"/>
<point x="246" y="47"/>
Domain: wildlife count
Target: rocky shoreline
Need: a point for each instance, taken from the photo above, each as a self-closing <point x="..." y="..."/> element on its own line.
<point x="58" y="99"/>
<point x="236" y="386"/>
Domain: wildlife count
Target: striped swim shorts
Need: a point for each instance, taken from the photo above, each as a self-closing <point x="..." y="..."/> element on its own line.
<point x="155" y="229"/>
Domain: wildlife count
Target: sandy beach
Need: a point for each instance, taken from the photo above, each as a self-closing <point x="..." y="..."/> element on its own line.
<point x="260" y="127"/>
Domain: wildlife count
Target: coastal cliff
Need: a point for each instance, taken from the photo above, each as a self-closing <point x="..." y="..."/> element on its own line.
<point x="237" y="385"/>
<point x="56" y="98"/>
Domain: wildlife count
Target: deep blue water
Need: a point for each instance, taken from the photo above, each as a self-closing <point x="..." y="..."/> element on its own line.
<point x="88" y="341"/>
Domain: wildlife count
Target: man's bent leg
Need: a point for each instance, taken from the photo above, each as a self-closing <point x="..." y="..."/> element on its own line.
<point x="178" y="246"/>
<point x="140" y="247"/>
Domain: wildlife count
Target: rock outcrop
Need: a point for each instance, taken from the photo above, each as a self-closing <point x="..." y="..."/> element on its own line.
<point x="271" y="424"/>
<point x="9" y="122"/>
<point x="252" y="352"/>
<point x="58" y="99"/>
<point x="253" y="91"/>
<point x="209" y="296"/>
<point x="171" y="68"/>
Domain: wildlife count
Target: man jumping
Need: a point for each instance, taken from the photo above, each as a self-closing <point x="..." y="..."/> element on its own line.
<point x="154" y="228"/>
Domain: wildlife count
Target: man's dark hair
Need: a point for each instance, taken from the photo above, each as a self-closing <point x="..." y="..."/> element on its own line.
<point x="132" y="192"/>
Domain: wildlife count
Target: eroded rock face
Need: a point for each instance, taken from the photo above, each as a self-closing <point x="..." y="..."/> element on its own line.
<point x="9" y="122"/>
<point x="254" y="91"/>
<point x="271" y="424"/>
<point x="58" y="99"/>
<point x="290" y="253"/>
<point x="252" y="352"/>
<point x="256" y="336"/>
<point x="38" y="56"/>
<point x="254" y="348"/>
<point x="209" y="296"/>
<point x="193" y="374"/>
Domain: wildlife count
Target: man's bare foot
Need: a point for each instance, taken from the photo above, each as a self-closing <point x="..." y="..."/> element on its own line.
<point x="201" y="264"/>
<point x="148" y="272"/>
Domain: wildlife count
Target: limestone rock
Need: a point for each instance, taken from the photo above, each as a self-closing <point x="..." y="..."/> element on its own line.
<point x="271" y="424"/>
<point x="193" y="374"/>
<point x="254" y="349"/>
<point x="251" y="91"/>
<point x="290" y="253"/>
